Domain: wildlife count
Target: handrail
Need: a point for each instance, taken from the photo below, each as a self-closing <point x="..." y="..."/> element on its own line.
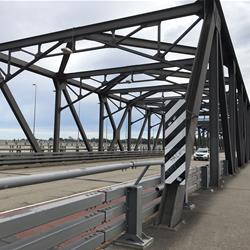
<point x="18" y="181"/>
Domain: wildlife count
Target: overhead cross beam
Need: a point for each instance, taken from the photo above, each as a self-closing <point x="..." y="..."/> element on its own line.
<point x="80" y="32"/>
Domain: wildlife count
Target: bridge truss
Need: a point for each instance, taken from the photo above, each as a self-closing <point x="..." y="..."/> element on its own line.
<point x="204" y="78"/>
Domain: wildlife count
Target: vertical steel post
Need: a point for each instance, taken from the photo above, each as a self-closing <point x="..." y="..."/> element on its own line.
<point x="245" y="126"/>
<point x="57" y="115"/>
<point x="224" y="112"/>
<point x="141" y="132"/>
<point x="158" y="134"/>
<point x="214" y="112"/>
<point x="163" y="131"/>
<point x="239" y="145"/>
<point x="232" y="108"/>
<point x="134" y="237"/>
<point x="129" y="128"/>
<point x="149" y="130"/>
<point x="101" y="124"/>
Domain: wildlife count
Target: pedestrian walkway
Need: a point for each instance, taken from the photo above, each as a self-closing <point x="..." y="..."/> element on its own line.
<point x="220" y="220"/>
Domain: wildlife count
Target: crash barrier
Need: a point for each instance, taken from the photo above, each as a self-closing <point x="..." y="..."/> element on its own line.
<point x="92" y="219"/>
<point x="32" y="158"/>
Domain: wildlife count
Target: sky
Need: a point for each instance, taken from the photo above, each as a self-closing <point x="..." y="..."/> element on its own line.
<point x="21" y="19"/>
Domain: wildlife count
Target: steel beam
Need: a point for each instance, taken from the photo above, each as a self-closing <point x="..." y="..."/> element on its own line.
<point x="141" y="131"/>
<point x="158" y="134"/>
<point x="157" y="88"/>
<point x="101" y="123"/>
<point x="197" y="81"/>
<point x="19" y="116"/>
<point x="214" y="112"/>
<point x="232" y="109"/>
<point x="149" y="130"/>
<point x="224" y="114"/>
<point x="129" y="128"/>
<point x="112" y="83"/>
<point x="81" y="32"/>
<point x="141" y="43"/>
<point x="57" y="115"/>
<point x="113" y="125"/>
<point x="118" y="130"/>
<point x="135" y="69"/>
<point x="77" y="120"/>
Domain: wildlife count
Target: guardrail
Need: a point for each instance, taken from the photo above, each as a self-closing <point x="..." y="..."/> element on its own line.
<point x="92" y="219"/>
<point x="32" y="158"/>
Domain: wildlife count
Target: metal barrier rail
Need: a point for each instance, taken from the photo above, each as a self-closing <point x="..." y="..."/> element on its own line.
<point x="89" y="220"/>
<point x="31" y="158"/>
<point x="17" y="181"/>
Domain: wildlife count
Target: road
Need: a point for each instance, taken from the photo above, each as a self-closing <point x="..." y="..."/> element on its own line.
<point x="28" y="195"/>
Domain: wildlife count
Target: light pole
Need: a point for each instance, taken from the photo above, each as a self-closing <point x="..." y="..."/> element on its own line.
<point x="34" y="113"/>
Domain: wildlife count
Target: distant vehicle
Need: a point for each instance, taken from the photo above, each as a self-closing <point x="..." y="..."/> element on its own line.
<point x="201" y="154"/>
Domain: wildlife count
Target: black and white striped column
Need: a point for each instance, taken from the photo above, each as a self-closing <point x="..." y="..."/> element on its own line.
<point x="175" y="141"/>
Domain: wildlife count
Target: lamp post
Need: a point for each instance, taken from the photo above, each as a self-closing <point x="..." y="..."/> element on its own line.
<point x="34" y="113"/>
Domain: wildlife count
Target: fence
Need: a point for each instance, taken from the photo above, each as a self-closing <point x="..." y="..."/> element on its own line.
<point x="91" y="219"/>
<point x="31" y="158"/>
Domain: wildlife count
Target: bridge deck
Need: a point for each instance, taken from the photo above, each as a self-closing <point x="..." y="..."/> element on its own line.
<point x="28" y="195"/>
<point x="221" y="220"/>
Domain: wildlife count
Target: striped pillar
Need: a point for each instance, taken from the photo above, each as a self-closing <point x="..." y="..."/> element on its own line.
<point x="175" y="141"/>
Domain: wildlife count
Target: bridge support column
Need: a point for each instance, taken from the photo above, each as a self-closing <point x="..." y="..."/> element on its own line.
<point x="214" y="112"/>
<point x="232" y="108"/>
<point x="134" y="237"/>
<point x="172" y="202"/>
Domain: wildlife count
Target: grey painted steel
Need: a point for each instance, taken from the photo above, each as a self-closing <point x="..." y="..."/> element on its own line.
<point x="11" y="182"/>
<point x="141" y="175"/>
<point x="41" y="215"/>
<point x="19" y="116"/>
<point x="134" y="237"/>
<point x="137" y="69"/>
<point x="80" y="32"/>
<point x="53" y="237"/>
<point x="214" y="112"/>
<point x="224" y="114"/>
<point x="142" y="43"/>
<point x="129" y="121"/>
<point x="197" y="80"/>
<point x="101" y="124"/>
<point x="232" y="109"/>
<point x="57" y="114"/>
<point x="77" y="120"/>
<point x="32" y="158"/>
<point x="234" y="118"/>
<point x="107" y="222"/>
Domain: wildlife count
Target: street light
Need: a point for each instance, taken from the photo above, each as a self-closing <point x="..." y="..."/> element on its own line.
<point x="34" y="113"/>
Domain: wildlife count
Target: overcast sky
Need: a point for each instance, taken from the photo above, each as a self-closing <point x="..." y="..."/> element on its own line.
<point x="21" y="19"/>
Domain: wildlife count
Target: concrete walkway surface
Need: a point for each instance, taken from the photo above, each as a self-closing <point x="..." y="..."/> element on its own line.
<point x="220" y="220"/>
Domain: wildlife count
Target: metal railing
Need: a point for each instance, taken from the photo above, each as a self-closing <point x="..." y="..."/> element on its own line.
<point x="32" y="158"/>
<point x="91" y="219"/>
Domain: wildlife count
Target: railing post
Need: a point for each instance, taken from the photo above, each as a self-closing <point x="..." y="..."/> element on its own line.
<point x="162" y="173"/>
<point x="134" y="237"/>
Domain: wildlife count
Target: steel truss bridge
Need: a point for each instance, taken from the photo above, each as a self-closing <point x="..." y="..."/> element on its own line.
<point x="202" y="80"/>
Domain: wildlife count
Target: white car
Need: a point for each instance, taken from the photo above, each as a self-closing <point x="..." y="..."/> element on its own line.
<point x="201" y="154"/>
